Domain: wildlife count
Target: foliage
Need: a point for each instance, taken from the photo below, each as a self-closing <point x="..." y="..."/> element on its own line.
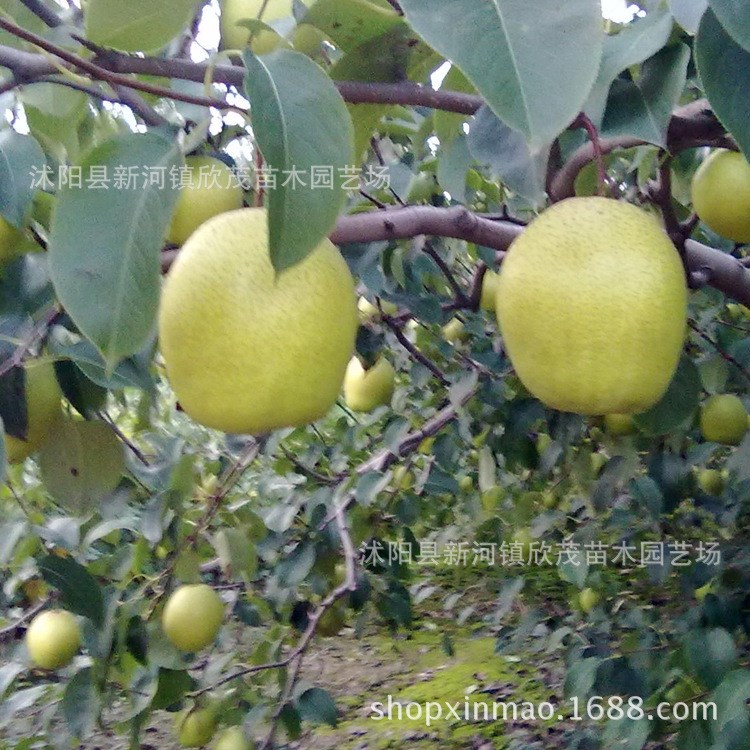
<point x="129" y="498"/>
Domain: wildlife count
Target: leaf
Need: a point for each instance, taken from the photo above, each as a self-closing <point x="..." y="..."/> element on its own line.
<point x="688" y="13"/>
<point x="316" y="705"/>
<point x="81" y="463"/>
<point x="638" y="41"/>
<point x="104" y="244"/>
<point x="580" y="677"/>
<point x="506" y="153"/>
<point x="453" y="165"/>
<point x="731" y="698"/>
<point x="78" y="589"/>
<point x="712" y="654"/>
<point x="448" y="125"/>
<point x="300" y="121"/>
<point x="294" y="568"/>
<point x="676" y="405"/>
<point x="349" y="23"/>
<point x="20" y="157"/>
<point x="734" y="16"/>
<point x="626" y="733"/>
<point x="236" y="553"/>
<point x="137" y="25"/>
<point x="80" y="703"/>
<point x="535" y="69"/>
<point x="724" y="69"/>
<point x="643" y="108"/>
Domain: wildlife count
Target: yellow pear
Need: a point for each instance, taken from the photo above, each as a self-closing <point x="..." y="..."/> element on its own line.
<point x="454" y="331"/>
<point x="235" y="36"/>
<point x="43" y="396"/>
<point x="233" y="738"/>
<point x="247" y="351"/>
<point x="489" y="290"/>
<point x="192" y="617"/>
<point x="208" y="188"/>
<point x="721" y="194"/>
<point x="592" y="306"/>
<point x="53" y="638"/>
<point x="365" y="390"/>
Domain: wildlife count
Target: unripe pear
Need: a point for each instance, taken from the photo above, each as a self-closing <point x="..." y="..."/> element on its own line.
<point x="196" y="728"/>
<point x="236" y="36"/>
<point x="710" y="481"/>
<point x="724" y="419"/>
<point x="721" y="194"/>
<point x="490" y="282"/>
<point x="619" y="425"/>
<point x="209" y="188"/>
<point x="369" y="311"/>
<point x="588" y="598"/>
<point x="454" y="331"/>
<point x="233" y="738"/>
<point x="192" y="617"/>
<point x="53" y="638"/>
<point x="365" y="390"/>
<point x="43" y="396"/>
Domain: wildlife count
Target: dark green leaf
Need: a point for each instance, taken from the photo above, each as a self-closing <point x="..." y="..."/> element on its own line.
<point x="688" y="13"/>
<point x="79" y="591"/>
<point x="20" y="157"/>
<point x="676" y="405"/>
<point x="300" y="122"/>
<point x="80" y="703"/>
<point x="643" y="108"/>
<point x="172" y="685"/>
<point x="316" y="705"/>
<point x="506" y="153"/>
<point x="534" y="69"/>
<point x="104" y="244"/>
<point x="724" y="69"/>
<point x="734" y="16"/>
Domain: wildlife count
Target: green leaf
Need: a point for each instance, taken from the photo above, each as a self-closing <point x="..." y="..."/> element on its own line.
<point x="676" y="405"/>
<point x="638" y="41"/>
<point x="643" y="108"/>
<point x="138" y="25"/>
<point x="734" y="16"/>
<point x="79" y="591"/>
<point x="724" y="69"/>
<point x="626" y="733"/>
<point x="294" y="568"/>
<point x="316" y="705"/>
<point x="731" y="698"/>
<point x="688" y="13"/>
<point x="506" y="153"/>
<point x="534" y="69"/>
<point x="81" y="463"/>
<point x="20" y="157"/>
<point x="300" y="122"/>
<point x="80" y="703"/>
<point x="3" y="458"/>
<point x="349" y="23"/>
<point x="171" y="686"/>
<point x="580" y="677"/>
<point x="104" y="244"/>
<point x="712" y="654"/>
<point x="449" y="125"/>
<point x="453" y="165"/>
<point x="236" y="553"/>
<point x="16" y="11"/>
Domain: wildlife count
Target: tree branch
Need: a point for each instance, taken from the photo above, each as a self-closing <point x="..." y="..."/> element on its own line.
<point x="39" y="9"/>
<point x="691" y="125"/>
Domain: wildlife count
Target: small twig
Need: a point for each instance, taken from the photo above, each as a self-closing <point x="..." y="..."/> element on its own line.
<point x="306" y="470"/>
<point x="723" y="354"/>
<point x="583" y="121"/>
<point x="39" y="9"/>
<point x="475" y="290"/>
<point x="9" y="631"/>
<point x="413" y="351"/>
<point x="458" y="293"/>
<point x="35" y="335"/>
<point x="134" y="449"/>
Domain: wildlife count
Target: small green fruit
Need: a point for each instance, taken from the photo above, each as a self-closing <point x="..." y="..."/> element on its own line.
<point x="454" y="331"/>
<point x="710" y="481"/>
<point x="365" y="390"/>
<point x="466" y="483"/>
<point x="491" y="498"/>
<point x="489" y="290"/>
<point x="724" y="419"/>
<point x="53" y="638"/>
<point x="619" y="425"/>
<point x="233" y="738"/>
<point x="192" y="617"/>
<point x="332" y="621"/>
<point x="195" y="728"/>
<point x="588" y="598"/>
